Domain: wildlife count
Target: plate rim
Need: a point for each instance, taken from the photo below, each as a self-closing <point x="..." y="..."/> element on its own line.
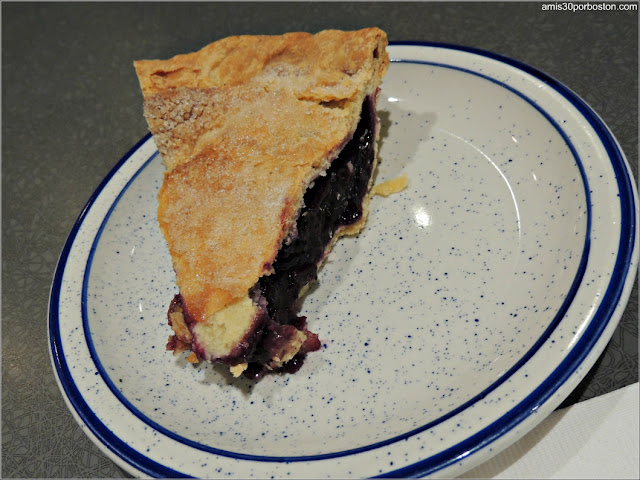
<point x="628" y="243"/>
<point x="604" y="313"/>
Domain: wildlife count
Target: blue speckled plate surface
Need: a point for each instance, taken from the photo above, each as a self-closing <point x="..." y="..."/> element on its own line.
<point x="471" y="305"/>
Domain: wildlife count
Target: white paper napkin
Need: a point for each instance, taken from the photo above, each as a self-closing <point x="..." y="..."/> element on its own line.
<point x="597" y="438"/>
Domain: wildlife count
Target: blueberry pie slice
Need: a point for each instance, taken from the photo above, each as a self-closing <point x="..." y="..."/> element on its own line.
<point x="269" y="144"/>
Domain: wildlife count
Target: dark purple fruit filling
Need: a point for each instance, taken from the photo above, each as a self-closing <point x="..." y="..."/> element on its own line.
<point x="334" y="201"/>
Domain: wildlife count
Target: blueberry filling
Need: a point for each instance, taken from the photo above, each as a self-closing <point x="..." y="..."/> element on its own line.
<point x="334" y="201"/>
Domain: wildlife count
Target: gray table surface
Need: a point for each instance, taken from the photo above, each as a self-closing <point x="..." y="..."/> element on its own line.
<point x="71" y="108"/>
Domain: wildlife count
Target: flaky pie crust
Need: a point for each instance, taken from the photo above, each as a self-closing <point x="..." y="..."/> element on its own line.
<point x="244" y="125"/>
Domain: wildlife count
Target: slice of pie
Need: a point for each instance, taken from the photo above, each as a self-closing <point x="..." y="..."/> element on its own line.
<point x="270" y="148"/>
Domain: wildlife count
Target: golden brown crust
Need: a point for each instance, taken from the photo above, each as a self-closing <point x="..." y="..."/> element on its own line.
<point x="330" y="65"/>
<point x="244" y="125"/>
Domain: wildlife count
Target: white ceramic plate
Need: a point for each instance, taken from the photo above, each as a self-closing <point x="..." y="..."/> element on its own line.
<point x="469" y="308"/>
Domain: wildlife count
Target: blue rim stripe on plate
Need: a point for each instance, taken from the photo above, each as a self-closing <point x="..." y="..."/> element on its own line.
<point x="481" y="439"/>
<point x="600" y="319"/>
<point x="263" y="458"/>
<point x="111" y="441"/>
